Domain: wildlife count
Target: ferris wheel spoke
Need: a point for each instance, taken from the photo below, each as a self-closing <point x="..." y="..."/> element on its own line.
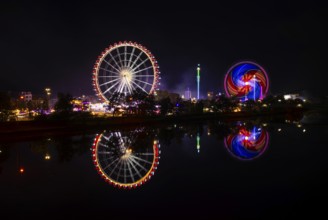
<point x="136" y="162"/>
<point x="111" y="55"/>
<point x="109" y="82"/>
<point x="121" y="91"/>
<point x="131" y="55"/>
<point x="107" y="90"/>
<point x="131" y="173"/>
<point x="145" y="154"/>
<point x="111" y="65"/>
<point x="116" y="73"/>
<point x="119" y="57"/>
<point x="105" y="152"/>
<point x="103" y="145"/>
<point x="135" y="168"/>
<point x="130" y="88"/>
<point x="139" y="87"/>
<point x="124" y="87"/>
<point x="150" y="67"/>
<point x="107" y="138"/>
<point x="110" y="164"/>
<point x="125" y="56"/>
<point x="119" y="170"/>
<point x="107" y="76"/>
<point x="124" y="172"/>
<point x="147" y="83"/>
<point x="140" y="159"/>
<point x="127" y="88"/>
<point x="140" y="64"/>
<point x="135" y="61"/>
<point x="119" y="162"/>
<point x="110" y="158"/>
<point x="144" y="76"/>
<point x="118" y="89"/>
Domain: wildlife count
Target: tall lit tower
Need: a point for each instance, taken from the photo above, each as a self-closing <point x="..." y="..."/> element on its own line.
<point x="198" y="80"/>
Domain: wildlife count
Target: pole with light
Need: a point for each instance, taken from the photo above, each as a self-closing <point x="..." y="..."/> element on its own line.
<point x="48" y="92"/>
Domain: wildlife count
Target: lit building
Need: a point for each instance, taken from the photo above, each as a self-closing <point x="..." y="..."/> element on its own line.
<point x="26" y="96"/>
<point x="187" y="95"/>
<point x="291" y="96"/>
<point x="210" y="95"/>
<point x="161" y="94"/>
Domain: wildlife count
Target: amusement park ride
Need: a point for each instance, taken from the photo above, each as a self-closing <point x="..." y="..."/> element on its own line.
<point x="246" y="80"/>
<point x="124" y="67"/>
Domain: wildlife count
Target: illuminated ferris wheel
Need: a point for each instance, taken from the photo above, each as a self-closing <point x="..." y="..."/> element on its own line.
<point x="121" y="161"/>
<point x="124" y="67"/>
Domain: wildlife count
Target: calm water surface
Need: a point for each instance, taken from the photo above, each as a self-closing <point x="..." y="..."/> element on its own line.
<point x="253" y="169"/>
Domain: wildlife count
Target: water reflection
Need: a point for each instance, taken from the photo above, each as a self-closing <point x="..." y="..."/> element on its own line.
<point x="126" y="159"/>
<point x="247" y="142"/>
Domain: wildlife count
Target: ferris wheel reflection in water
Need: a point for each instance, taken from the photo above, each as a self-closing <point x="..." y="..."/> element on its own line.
<point x="126" y="159"/>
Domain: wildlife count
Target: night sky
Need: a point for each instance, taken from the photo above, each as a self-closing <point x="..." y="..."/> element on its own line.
<point x="55" y="44"/>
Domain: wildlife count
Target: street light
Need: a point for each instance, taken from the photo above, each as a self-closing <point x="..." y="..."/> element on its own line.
<point x="48" y="92"/>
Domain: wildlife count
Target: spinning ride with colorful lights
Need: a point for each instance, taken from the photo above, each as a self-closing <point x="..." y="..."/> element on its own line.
<point x="123" y="162"/>
<point x="246" y="80"/>
<point x="124" y="67"/>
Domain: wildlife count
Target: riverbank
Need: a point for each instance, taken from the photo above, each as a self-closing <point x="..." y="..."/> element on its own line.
<point x="22" y="130"/>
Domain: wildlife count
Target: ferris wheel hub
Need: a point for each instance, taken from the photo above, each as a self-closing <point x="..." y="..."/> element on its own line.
<point x="126" y="74"/>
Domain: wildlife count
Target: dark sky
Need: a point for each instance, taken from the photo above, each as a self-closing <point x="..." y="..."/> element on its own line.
<point x="55" y="44"/>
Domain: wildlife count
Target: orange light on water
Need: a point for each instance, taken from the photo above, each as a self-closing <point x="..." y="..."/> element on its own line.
<point x="22" y="170"/>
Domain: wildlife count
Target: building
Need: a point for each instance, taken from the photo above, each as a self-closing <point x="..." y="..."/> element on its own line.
<point x="26" y="96"/>
<point x="291" y="96"/>
<point x="187" y="95"/>
<point x="210" y="95"/>
<point x="161" y="94"/>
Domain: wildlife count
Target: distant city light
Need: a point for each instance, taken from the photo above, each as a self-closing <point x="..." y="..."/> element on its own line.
<point x="47" y="157"/>
<point x="22" y="170"/>
<point x="48" y="91"/>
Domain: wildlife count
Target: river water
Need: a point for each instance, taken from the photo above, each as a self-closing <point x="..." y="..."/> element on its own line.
<point x="230" y="170"/>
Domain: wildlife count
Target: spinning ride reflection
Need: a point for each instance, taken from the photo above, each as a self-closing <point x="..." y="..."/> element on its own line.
<point x="247" y="143"/>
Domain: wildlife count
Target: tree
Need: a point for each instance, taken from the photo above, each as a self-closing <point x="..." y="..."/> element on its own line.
<point x="166" y="105"/>
<point x="139" y="95"/>
<point x="199" y="107"/>
<point x="4" y="101"/>
<point x="64" y="103"/>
